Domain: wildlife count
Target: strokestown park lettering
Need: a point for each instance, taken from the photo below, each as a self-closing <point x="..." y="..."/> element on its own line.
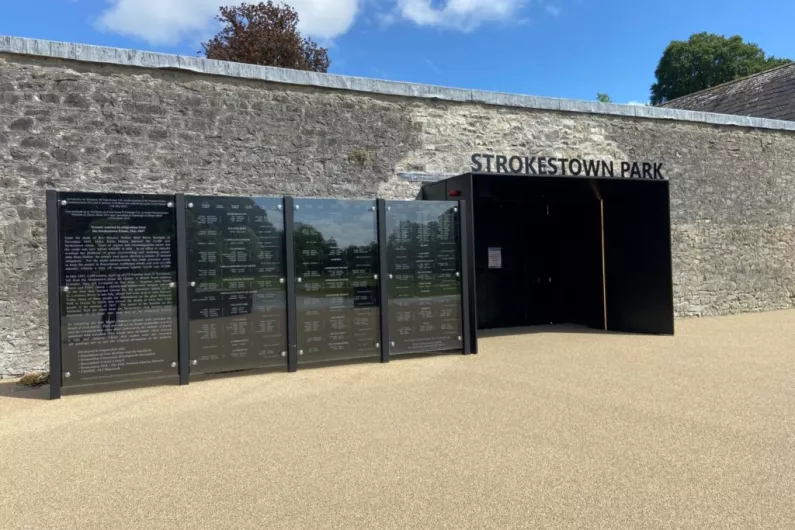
<point x="574" y="167"/>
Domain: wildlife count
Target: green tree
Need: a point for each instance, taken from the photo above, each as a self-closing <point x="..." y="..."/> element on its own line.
<point x="265" y="34"/>
<point x="706" y="60"/>
<point x="603" y="98"/>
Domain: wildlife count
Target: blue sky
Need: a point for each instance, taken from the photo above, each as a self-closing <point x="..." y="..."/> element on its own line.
<point x="559" y="48"/>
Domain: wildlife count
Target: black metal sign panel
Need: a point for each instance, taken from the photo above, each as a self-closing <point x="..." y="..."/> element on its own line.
<point x="118" y="300"/>
<point x="423" y="256"/>
<point x="336" y="263"/>
<point x="237" y="289"/>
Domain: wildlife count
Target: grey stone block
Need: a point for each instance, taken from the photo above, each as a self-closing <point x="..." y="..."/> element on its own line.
<point x="22" y="124"/>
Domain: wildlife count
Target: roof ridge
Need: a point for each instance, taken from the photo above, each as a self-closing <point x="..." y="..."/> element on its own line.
<point x="733" y="81"/>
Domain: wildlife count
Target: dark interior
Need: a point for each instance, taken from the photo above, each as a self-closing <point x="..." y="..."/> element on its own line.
<point x="549" y="234"/>
<point x="590" y="252"/>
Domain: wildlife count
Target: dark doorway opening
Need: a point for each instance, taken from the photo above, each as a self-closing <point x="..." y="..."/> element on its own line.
<point x="545" y="240"/>
<point x="566" y="250"/>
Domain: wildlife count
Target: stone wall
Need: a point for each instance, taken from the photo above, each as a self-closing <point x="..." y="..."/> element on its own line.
<point x="72" y="125"/>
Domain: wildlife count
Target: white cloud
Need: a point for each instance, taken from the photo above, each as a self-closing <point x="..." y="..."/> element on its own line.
<point x="326" y="19"/>
<point x="173" y="21"/>
<point x="159" y="21"/>
<point x="460" y="14"/>
<point x="168" y="22"/>
<point x="553" y="10"/>
<point x="637" y="103"/>
<point x="386" y="19"/>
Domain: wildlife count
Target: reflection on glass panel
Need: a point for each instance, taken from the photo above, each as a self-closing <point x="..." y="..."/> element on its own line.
<point x="336" y="261"/>
<point x="236" y="270"/>
<point x="423" y="255"/>
<point x="118" y="305"/>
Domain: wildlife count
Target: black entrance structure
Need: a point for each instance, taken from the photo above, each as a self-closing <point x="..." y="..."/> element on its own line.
<point x="591" y="251"/>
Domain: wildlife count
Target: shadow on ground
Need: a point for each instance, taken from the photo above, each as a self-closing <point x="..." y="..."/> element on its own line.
<point x="552" y="328"/>
<point x="10" y="389"/>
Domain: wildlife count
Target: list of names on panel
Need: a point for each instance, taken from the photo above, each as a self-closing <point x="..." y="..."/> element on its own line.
<point x="236" y="271"/>
<point x="425" y="285"/>
<point x="336" y="254"/>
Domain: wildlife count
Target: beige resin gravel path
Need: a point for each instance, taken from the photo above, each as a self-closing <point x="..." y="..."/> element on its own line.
<point x="541" y="430"/>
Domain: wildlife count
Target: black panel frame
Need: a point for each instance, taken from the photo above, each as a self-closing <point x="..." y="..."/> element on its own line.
<point x="434" y="191"/>
<point x="383" y="275"/>
<point x="54" y="291"/>
<point x="465" y="188"/>
<point x="292" y="309"/>
<point x="183" y="298"/>
<point x="670" y="259"/>
<point x="463" y="240"/>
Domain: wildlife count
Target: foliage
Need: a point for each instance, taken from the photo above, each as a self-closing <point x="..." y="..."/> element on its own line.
<point x="603" y="98"/>
<point x="358" y="157"/>
<point x="35" y="379"/>
<point x="704" y="61"/>
<point x="265" y="34"/>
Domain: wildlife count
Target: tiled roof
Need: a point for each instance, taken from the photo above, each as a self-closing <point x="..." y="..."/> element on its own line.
<point x="769" y="94"/>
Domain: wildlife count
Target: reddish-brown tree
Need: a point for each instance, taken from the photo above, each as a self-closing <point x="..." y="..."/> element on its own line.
<point x="266" y="34"/>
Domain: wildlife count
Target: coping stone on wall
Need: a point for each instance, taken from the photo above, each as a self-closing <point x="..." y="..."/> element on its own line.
<point x="419" y="176"/>
<point x="144" y="59"/>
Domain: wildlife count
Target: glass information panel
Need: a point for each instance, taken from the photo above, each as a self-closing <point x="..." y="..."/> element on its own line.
<point x="236" y="271"/>
<point x="118" y="300"/>
<point x="336" y="262"/>
<point x="423" y="256"/>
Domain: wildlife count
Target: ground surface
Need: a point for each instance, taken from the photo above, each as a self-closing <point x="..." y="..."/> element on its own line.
<point x="541" y="430"/>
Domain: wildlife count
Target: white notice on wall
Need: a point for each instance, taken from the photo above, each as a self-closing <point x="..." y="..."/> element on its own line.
<point x="495" y="258"/>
